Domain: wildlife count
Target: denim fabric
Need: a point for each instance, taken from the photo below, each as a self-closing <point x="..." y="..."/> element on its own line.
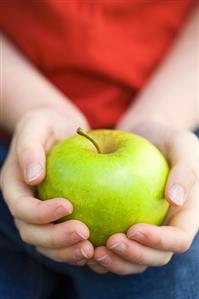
<point x="25" y="274"/>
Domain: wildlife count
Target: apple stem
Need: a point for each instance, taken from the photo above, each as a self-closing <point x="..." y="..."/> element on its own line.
<point x="83" y="133"/>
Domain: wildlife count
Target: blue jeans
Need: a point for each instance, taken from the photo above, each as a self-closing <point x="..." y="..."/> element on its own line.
<point x="26" y="274"/>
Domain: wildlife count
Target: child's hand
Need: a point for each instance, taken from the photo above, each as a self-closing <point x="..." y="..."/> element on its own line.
<point x="25" y="167"/>
<point x="148" y="245"/>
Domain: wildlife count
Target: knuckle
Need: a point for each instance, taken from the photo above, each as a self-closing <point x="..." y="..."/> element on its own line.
<point x="159" y="241"/>
<point x="53" y="240"/>
<point x="139" y="257"/>
<point x="40" y="215"/>
<point x="24" y="146"/>
<point x="26" y="118"/>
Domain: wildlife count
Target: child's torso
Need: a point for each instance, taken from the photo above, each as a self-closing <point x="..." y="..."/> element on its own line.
<point x="99" y="53"/>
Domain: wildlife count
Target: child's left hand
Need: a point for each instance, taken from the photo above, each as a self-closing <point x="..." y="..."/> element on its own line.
<point x="148" y="245"/>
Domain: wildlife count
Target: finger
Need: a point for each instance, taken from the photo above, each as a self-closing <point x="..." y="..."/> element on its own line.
<point x="136" y="253"/>
<point x="96" y="267"/>
<point x="36" y="133"/>
<point x="76" y="254"/>
<point x="53" y="235"/>
<point x="165" y="238"/>
<point x="22" y="204"/>
<point x="32" y="210"/>
<point x="183" y="153"/>
<point x="30" y="142"/>
<point x="177" y="236"/>
<point x="115" y="264"/>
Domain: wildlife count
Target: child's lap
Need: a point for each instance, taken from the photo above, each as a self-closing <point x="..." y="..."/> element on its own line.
<point x="24" y="273"/>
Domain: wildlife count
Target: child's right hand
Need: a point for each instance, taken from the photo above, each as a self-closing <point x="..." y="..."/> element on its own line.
<point x="24" y="167"/>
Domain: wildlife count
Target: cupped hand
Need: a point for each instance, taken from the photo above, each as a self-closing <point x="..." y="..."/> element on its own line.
<point x="24" y="167"/>
<point x="148" y="245"/>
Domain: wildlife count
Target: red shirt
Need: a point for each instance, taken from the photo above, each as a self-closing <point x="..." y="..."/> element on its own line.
<point x="99" y="53"/>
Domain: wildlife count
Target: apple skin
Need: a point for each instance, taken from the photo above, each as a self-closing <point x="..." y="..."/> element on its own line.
<point x="110" y="191"/>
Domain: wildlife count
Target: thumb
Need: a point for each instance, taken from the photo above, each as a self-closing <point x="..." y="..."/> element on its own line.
<point x="184" y="158"/>
<point x="30" y="143"/>
<point x="180" y="182"/>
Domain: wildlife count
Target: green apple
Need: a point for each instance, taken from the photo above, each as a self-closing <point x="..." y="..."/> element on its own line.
<point x="114" y="179"/>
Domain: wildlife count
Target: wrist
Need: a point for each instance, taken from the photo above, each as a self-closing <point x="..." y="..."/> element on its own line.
<point x="140" y="114"/>
<point x="130" y="121"/>
<point x="155" y="131"/>
<point x="58" y="103"/>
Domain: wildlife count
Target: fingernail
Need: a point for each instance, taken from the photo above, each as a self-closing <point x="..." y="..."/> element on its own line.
<point x="80" y="254"/>
<point x="33" y="171"/>
<point x="137" y="236"/>
<point x="177" y="194"/>
<point x="104" y="260"/>
<point x="119" y="247"/>
<point x="76" y="237"/>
